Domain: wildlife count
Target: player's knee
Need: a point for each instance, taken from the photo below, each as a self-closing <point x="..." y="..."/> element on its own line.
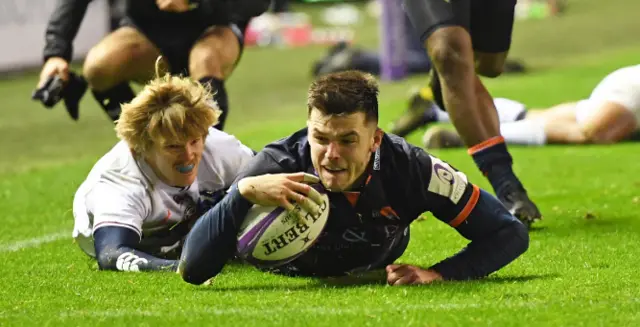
<point x="104" y="64"/>
<point x="206" y="62"/>
<point x="214" y="56"/>
<point x="490" y="64"/>
<point x="94" y="69"/>
<point x="449" y="50"/>
<point x="490" y="68"/>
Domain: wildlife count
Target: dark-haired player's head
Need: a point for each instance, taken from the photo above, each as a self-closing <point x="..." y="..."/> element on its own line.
<point x="343" y="127"/>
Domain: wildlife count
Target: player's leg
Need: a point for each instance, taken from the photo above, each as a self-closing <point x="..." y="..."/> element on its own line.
<point x="213" y="58"/>
<point x="124" y="55"/>
<point x="586" y="122"/>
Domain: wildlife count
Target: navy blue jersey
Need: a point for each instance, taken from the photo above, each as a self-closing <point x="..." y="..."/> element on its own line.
<point x="369" y="227"/>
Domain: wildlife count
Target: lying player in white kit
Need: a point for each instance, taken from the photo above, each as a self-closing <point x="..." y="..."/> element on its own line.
<point x="140" y="199"/>
<point x="611" y="114"/>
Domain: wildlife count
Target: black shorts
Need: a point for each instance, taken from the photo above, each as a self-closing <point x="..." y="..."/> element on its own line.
<point x="490" y="22"/>
<point x="176" y="40"/>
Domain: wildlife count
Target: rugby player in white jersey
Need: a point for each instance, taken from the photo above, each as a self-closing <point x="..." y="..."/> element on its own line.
<point x="611" y="114"/>
<point x="141" y="198"/>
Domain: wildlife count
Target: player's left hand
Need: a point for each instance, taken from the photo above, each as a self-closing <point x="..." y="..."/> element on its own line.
<point x="410" y="275"/>
<point x="173" y="5"/>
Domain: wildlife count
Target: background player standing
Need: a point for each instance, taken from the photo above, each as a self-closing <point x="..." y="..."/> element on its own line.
<point x="203" y="39"/>
<point x="463" y="37"/>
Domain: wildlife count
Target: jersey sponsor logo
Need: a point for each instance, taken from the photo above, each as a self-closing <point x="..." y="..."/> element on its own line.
<point x="353" y="236"/>
<point x="446" y="181"/>
<point x="129" y="262"/>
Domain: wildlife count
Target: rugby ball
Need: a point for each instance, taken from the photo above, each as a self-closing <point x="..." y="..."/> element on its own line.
<point x="271" y="236"/>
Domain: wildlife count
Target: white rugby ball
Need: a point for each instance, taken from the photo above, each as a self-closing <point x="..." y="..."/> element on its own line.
<point x="272" y="236"/>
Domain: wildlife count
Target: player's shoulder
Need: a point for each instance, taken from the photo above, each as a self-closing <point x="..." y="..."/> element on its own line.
<point x="118" y="167"/>
<point x="220" y="141"/>
<point x="292" y="150"/>
<point x="398" y="153"/>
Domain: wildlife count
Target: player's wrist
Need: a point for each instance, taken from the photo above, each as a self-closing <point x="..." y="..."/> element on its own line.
<point x="245" y="188"/>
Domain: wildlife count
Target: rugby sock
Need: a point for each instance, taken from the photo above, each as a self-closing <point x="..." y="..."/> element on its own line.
<point x="524" y="132"/>
<point x="220" y="96"/>
<point x="508" y="111"/>
<point x="111" y="99"/>
<point x="494" y="161"/>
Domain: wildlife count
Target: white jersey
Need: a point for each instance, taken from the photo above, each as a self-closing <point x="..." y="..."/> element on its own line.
<point x="122" y="190"/>
<point x="622" y="86"/>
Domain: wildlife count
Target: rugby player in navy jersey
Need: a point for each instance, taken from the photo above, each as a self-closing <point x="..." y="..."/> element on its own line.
<point x="200" y="38"/>
<point x="378" y="184"/>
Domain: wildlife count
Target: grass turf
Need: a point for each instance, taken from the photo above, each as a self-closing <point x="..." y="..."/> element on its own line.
<point x="580" y="270"/>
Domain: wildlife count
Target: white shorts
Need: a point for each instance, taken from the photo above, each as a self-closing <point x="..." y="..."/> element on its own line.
<point x="82" y="228"/>
<point x="621" y="86"/>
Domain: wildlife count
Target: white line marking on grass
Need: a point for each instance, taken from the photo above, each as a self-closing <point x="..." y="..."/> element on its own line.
<point x="33" y="242"/>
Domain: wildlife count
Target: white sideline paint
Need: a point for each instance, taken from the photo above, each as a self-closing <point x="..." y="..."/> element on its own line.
<point x="33" y="242"/>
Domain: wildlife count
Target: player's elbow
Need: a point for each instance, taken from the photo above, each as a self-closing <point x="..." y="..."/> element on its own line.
<point x="520" y="238"/>
<point x="106" y="260"/>
<point x="190" y="273"/>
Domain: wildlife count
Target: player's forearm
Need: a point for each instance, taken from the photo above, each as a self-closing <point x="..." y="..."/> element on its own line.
<point x="63" y="27"/>
<point x="212" y="240"/>
<point x="124" y="258"/>
<point x="497" y="238"/>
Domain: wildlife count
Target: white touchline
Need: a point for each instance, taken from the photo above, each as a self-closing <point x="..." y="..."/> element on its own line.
<point x="33" y="242"/>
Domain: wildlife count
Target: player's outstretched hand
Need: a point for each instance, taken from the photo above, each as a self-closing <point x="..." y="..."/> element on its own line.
<point x="173" y="5"/>
<point x="55" y="66"/>
<point x="282" y="190"/>
<point x="410" y="275"/>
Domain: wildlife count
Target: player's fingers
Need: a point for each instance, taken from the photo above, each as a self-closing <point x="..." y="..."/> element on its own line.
<point x="286" y="204"/>
<point x="63" y="71"/>
<point x="307" y="190"/>
<point x="304" y="202"/>
<point x="392" y="267"/>
<point x="44" y="76"/>
<point x="406" y="280"/>
<point x="303" y="177"/>
<point x="392" y="277"/>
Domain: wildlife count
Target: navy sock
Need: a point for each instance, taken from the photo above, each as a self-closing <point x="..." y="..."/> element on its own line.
<point x="495" y="162"/>
<point x="220" y="96"/>
<point x="111" y="99"/>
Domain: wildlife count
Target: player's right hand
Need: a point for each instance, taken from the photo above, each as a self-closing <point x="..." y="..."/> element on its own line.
<point x="282" y="190"/>
<point x="54" y="66"/>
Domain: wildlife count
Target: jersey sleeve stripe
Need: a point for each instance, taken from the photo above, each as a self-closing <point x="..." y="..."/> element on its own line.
<point x="117" y="224"/>
<point x="486" y="144"/>
<point x="462" y="216"/>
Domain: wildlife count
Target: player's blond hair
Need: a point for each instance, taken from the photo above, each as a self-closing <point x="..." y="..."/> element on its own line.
<point x="168" y="110"/>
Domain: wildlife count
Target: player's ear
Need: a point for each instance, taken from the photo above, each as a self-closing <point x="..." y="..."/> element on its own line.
<point x="377" y="139"/>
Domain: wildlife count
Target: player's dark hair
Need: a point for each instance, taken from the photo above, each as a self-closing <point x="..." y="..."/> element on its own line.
<point x="345" y="93"/>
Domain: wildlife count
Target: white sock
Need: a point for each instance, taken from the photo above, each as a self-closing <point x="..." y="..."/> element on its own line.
<point x="524" y="132"/>
<point x="508" y="111"/>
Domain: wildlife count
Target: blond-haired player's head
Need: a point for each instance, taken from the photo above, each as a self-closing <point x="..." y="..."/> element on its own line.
<point x="166" y="124"/>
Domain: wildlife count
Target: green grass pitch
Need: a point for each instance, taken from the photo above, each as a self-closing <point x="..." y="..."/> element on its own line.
<point x="581" y="268"/>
